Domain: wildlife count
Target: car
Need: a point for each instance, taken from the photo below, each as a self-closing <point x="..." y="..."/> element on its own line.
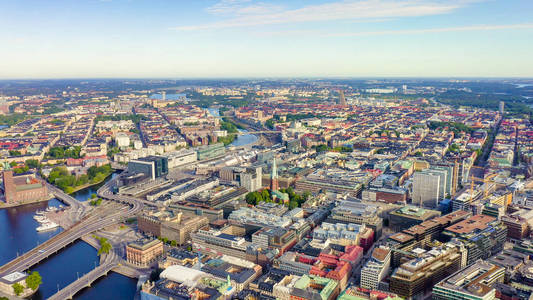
<point x="42" y="251"/>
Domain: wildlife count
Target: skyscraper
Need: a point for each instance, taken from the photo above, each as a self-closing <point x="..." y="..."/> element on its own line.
<point x="502" y="105"/>
<point x="426" y="187"/>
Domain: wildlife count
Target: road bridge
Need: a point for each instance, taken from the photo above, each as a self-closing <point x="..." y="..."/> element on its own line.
<point x="85" y="226"/>
<point x="111" y="261"/>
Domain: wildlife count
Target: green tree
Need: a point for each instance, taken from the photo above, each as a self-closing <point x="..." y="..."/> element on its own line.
<point x="32" y="163"/>
<point x="18" y="288"/>
<point x="173" y="243"/>
<point x="34" y="280"/>
<point x="4" y="298"/>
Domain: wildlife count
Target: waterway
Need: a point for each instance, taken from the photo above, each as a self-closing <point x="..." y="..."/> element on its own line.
<point x="17" y="229"/>
<point x="242" y="139"/>
<point x="169" y="96"/>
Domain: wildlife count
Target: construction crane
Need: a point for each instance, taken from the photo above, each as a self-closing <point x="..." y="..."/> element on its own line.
<point x="486" y="180"/>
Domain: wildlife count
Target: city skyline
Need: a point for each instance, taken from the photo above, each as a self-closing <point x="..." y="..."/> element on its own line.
<point x="248" y="38"/>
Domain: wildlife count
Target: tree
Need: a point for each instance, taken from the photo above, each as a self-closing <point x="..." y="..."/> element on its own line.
<point x="93" y="196"/>
<point x="18" y="288"/>
<point x="173" y="243"/>
<point x="293" y="204"/>
<point x="4" y="298"/>
<point x="34" y="280"/>
<point x="32" y="163"/>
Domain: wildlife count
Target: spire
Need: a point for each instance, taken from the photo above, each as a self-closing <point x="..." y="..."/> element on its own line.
<point x="274" y="186"/>
<point x="274" y="170"/>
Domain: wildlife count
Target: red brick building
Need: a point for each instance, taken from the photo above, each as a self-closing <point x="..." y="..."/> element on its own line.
<point x="23" y="188"/>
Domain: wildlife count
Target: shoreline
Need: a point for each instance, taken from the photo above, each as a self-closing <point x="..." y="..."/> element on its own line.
<point x="51" y="196"/>
<point x="11" y="205"/>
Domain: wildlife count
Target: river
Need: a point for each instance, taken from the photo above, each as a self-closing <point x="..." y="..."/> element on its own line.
<point x="242" y="139"/>
<point x="17" y="229"/>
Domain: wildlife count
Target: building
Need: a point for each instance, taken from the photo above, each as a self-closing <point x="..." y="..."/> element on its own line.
<point x="144" y="252"/>
<point x="210" y="151"/>
<point x="426" y="187"/>
<point x="416" y="276"/>
<point x="344" y="235"/>
<point x="385" y="194"/>
<point x="274" y="185"/>
<point x="502" y="106"/>
<point x="357" y="213"/>
<point x="482" y="235"/>
<point x="376" y="268"/>
<point x="474" y="282"/>
<point x="421" y="235"/>
<point x="181" y="283"/>
<point x="249" y="216"/>
<point x="23" y="188"/>
<point x="239" y="272"/>
<point x="519" y="223"/>
<point x="172" y="224"/>
<point x="151" y="166"/>
<point x="248" y="177"/>
<point x="409" y="216"/>
<point x="311" y="287"/>
<point x="180" y="158"/>
<point x="274" y="237"/>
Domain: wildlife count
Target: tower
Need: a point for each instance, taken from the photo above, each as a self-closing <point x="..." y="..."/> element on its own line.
<point x="502" y="105"/>
<point x="342" y="100"/>
<point x="163" y="96"/>
<point x="274" y="186"/>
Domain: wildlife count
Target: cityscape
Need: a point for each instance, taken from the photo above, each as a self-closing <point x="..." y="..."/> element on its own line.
<point x="266" y="150"/>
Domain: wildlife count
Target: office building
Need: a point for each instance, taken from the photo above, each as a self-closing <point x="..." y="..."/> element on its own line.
<point x="482" y="235"/>
<point x="519" y="223"/>
<point x="151" y="166"/>
<point x="502" y="107"/>
<point x="475" y="282"/>
<point x="210" y="151"/>
<point x="416" y="276"/>
<point x="376" y="268"/>
<point x="172" y="224"/>
<point x="144" y="252"/>
<point x="357" y="213"/>
<point x="408" y="216"/>
<point x="426" y="188"/>
<point x="274" y="237"/>
<point x="180" y="158"/>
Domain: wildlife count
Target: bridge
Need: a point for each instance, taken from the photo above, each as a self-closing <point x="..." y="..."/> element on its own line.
<point x="88" y="224"/>
<point x="258" y="132"/>
<point x="111" y="261"/>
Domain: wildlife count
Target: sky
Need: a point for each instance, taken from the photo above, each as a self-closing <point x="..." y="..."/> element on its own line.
<point x="249" y="38"/>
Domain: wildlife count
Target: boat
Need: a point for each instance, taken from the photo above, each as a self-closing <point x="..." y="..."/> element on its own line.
<point x="39" y="213"/>
<point x="47" y="226"/>
<point x="40" y="218"/>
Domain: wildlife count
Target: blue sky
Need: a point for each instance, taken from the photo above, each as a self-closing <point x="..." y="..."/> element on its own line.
<point x="248" y="38"/>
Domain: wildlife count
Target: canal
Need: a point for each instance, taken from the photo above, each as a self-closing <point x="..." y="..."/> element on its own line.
<point x="242" y="139"/>
<point x="17" y="229"/>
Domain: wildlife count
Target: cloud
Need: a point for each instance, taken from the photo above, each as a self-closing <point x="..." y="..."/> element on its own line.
<point x="244" y="13"/>
<point x="242" y="7"/>
<point x="316" y="33"/>
<point x="430" y="30"/>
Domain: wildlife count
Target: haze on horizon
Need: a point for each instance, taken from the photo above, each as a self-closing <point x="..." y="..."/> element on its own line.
<point x="249" y="38"/>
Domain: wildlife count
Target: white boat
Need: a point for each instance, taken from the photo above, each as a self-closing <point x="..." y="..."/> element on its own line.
<point x="40" y="218"/>
<point x="39" y="212"/>
<point x="47" y="226"/>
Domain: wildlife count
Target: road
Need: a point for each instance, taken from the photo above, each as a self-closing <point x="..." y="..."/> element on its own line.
<point x="111" y="261"/>
<point x="99" y="219"/>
